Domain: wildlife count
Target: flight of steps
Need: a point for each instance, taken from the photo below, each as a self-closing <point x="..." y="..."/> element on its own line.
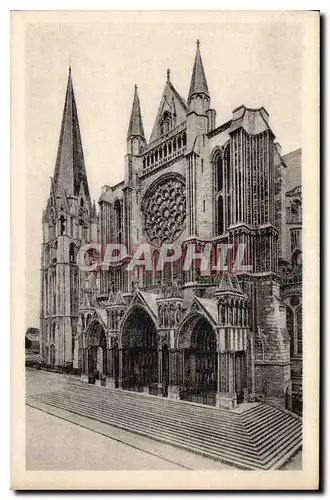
<point x="261" y="437"/>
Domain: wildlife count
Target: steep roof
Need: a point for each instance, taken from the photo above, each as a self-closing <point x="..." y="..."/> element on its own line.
<point x="229" y="284"/>
<point x="70" y="170"/>
<point x="170" y="101"/>
<point x="293" y="171"/>
<point x="254" y="121"/>
<point x="135" y="127"/>
<point x="198" y="84"/>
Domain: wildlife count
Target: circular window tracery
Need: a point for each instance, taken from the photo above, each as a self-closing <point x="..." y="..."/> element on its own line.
<point x="165" y="211"/>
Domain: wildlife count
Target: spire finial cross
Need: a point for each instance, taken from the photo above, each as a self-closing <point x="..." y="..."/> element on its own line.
<point x="198" y="43"/>
<point x="168" y="74"/>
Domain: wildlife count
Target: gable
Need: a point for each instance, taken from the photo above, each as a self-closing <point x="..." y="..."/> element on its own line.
<point x="101" y="316"/>
<point x="207" y="307"/>
<point x="172" y="103"/>
<point x="147" y="300"/>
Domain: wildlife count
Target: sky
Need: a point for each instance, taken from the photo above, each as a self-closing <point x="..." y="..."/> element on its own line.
<point x="256" y="64"/>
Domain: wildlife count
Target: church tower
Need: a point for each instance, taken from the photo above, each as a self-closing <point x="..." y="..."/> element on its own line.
<point x="69" y="221"/>
<point x="135" y="142"/>
<point x="200" y="120"/>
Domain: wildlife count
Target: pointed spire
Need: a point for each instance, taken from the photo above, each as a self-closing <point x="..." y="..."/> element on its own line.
<point x="229" y="284"/>
<point x="111" y="298"/>
<point x="119" y="300"/>
<point x="198" y="84"/>
<point x="70" y="170"/>
<point x="135" y="127"/>
<point x="226" y="283"/>
<point x="236" y="283"/>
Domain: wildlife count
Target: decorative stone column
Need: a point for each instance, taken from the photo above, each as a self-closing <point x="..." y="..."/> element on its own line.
<point x="221" y="398"/>
<point x="245" y="389"/>
<point x="173" y="387"/>
<point x="252" y="395"/>
<point x="76" y="349"/>
<point x="120" y="376"/>
<point x="226" y="396"/>
<point x="99" y="365"/>
<point x="232" y="391"/>
<point x="160" y="372"/>
<point x="111" y="370"/>
<point x="84" y="374"/>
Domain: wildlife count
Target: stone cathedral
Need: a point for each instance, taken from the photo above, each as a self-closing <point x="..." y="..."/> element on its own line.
<point x="213" y="338"/>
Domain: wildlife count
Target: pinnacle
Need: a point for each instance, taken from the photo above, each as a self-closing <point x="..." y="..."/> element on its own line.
<point x="198" y="84"/>
<point x="135" y="127"/>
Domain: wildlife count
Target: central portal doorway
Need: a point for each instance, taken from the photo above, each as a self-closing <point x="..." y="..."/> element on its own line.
<point x="140" y="354"/>
<point x="200" y="364"/>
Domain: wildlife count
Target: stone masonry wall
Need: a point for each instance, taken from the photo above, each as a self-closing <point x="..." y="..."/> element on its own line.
<point x="272" y="373"/>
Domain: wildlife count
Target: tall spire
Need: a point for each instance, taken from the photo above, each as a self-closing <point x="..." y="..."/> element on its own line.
<point x="70" y="170"/>
<point x="135" y="127"/>
<point x="198" y="84"/>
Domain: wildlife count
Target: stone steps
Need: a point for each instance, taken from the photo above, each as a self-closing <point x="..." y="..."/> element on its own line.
<point x="165" y="431"/>
<point x="258" y="438"/>
<point x="277" y="434"/>
<point x="184" y="414"/>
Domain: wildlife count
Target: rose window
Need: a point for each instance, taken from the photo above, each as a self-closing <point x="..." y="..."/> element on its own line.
<point x="165" y="212"/>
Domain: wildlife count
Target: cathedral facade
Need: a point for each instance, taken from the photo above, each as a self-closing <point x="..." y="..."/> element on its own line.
<point x="216" y="337"/>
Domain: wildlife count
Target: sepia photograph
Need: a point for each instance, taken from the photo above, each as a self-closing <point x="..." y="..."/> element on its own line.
<point x="163" y="172"/>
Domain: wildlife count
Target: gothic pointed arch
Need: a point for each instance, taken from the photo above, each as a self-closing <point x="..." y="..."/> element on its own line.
<point x="194" y="316"/>
<point x="204" y="307"/>
<point x="139" y="342"/>
<point x="197" y="341"/>
<point x="95" y="333"/>
<point x="145" y="301"/>
<point x="72" y="253"/>
<point x="118" y="220"/>
<point x="96" y="338"/>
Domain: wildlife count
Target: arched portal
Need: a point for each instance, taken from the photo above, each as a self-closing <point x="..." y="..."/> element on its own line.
<point x="140" y="353"/>
<point x="97" y="351"/>
<point x="199" y="361"/>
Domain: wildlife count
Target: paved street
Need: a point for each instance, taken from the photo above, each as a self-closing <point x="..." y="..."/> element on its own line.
<point x="55" y="444"/>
